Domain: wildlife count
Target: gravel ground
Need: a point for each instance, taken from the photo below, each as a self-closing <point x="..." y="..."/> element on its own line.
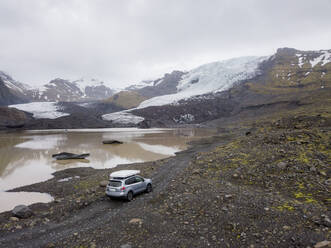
<point x="267" y="187"/>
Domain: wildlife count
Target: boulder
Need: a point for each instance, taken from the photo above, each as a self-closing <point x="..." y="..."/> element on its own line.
<point x="323" y="244"/>
<point x="112" y="142"/>
<point x="103" y="183"/>
<point x="22" y="212"/>
<point x="282" y="165"/>
<point x="126" y="246"/>
<point x="68" y="155"/>
<point x="14" y="218"/>
<point x="136" y="221"/>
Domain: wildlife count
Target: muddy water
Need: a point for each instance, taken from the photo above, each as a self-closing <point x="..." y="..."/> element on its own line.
<point x="26" y="157"/>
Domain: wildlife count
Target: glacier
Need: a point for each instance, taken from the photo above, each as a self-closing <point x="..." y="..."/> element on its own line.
<point x="210" y="78"/>
<point x="41" y="110"/>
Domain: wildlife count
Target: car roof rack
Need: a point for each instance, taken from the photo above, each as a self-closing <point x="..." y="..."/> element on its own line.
<point x="123" y="174"/>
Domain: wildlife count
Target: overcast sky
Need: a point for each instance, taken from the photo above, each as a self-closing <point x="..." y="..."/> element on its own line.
<point x="125" y="41"/>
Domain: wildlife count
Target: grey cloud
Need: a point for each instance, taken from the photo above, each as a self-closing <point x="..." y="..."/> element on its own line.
<point x="122" y="42"/>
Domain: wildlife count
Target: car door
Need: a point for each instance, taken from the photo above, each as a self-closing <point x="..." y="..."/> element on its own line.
<point x="131" y="183"/>
<point x="140" y="182"/>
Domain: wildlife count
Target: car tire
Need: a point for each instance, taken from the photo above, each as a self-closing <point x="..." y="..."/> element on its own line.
<point x="149" y="188"/>
<point x="129" y="196"/>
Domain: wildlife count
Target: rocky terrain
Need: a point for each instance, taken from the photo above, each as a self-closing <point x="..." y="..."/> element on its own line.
<point x="262" y="183"/>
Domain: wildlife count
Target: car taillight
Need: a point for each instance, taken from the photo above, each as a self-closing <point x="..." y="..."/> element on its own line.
<point x="123" y="188"/>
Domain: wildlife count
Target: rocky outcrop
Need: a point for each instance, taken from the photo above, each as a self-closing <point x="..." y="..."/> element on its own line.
<point x="11" y="91"/>
<point x="13" y="118"/>
<point x="162" y="86"/>
<point x="22" y="212"/>
<point x="8" y="96"/>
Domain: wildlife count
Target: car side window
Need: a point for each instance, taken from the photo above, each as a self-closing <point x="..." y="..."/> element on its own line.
<point x="139" y="179"/>
<point x="129" y="181"/>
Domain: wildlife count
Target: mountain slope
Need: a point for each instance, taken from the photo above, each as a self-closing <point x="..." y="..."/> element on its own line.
<point x="11" y="91"/>
<point x="67" y="91"/>
<point x="126" y="99"/>
<point x="159" y="87"/>
<point x="8" y="96"/>
<point x="208" y="78"/>
<point x="284" y="84"/>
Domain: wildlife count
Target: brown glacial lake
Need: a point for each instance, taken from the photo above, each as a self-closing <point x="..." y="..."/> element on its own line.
<point x="26" y="157"/>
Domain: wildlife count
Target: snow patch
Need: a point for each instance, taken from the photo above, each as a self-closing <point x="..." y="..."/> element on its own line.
<point x="185" y="118"/>
<point x="208" y="78"/>
<point x="141" y="85"/>
<point x="324" y="58"/>
<point x="67" y="179"/>
<point x="40" y="110"/>
<point x="300" y="59"/>
<point x="123" y="117"/>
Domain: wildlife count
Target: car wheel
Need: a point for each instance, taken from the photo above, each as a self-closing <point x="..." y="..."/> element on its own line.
<point x="129" y="196"/>
<point x="149" y="188"/>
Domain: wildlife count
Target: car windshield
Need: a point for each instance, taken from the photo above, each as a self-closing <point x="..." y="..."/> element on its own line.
<point x="114" y="183"/>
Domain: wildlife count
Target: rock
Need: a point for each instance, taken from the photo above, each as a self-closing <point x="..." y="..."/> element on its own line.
<point x="126" y="246"/>
<point x="136" y="221"/>
<point x="22" y="212"/>
<point x="228" y="196"/>
<point x="68" y="155"/>
<point x="145" y="124"/>
<point x="282" y="165"/>
<point x="323" y="173"/>
<point x="103" y="183"/>
<point x="286" y="228"/>
<point x="323" y="244"/>
<point x="326" y="220"/>
<point x="13" y="219"/>
<point x="112" y="142"/>
<point x="235" y="175"/>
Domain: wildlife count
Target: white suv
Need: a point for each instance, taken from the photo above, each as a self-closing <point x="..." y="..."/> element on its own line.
<point x="127" y="183"/>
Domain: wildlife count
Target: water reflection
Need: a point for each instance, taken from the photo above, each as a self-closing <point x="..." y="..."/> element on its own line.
<point x="13" y="199"/>
<point x="42" y="142"/>
<point x="25" y="157"/>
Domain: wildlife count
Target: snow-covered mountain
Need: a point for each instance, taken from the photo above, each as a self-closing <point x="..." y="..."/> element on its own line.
<point x="210" y="78"/>
<point x="161" y="86"/>
<point x="12" y="91"/>
<point x="57" y="90"/>
<point x="140" y="85"/>
<point x="14" y="85"/>
<point x="70" y="91"/>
